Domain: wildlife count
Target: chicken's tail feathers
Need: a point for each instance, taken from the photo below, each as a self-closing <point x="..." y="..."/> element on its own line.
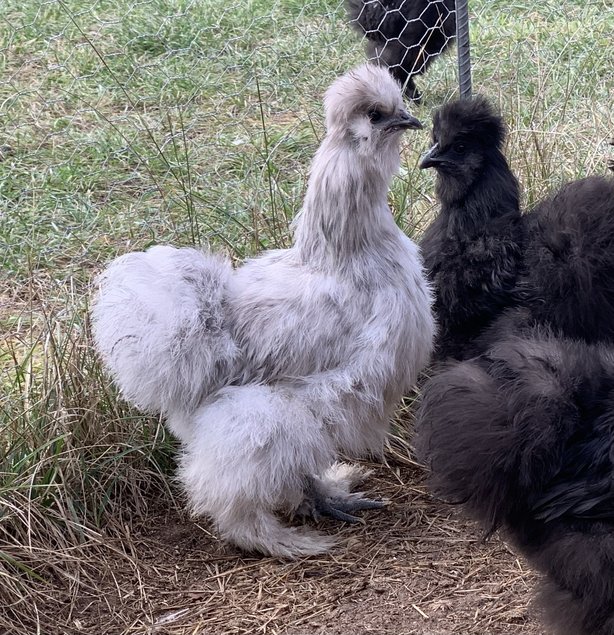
<point x="160" y="326"/>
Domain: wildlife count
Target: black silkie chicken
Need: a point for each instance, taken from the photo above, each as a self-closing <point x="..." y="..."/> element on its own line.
<point x="523" y="437"/>
<point x="522" y="434"/>
<point x="472" y="250"/>
<point x="486" y="260"/>
<point x="404" y="35"/>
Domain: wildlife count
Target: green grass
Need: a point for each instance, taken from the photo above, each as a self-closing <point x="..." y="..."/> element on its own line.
<point x="126" y="124"/>
<point x="115" y="120"/>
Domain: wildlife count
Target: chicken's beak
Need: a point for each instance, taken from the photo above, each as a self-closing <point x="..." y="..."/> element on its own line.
<point x="430" y="159"/>
<point x="404" y="121"/>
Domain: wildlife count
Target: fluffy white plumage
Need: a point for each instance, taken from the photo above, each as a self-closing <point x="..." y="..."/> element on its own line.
<point x="267" y="372"/>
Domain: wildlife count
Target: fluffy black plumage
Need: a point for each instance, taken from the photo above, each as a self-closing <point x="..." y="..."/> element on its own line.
<point x="483" y="257"/>
<point x="473" y="249"/>
<point x="405" y="35"/>
<point x="523" y="437"/>
<point x="568" y="279"/>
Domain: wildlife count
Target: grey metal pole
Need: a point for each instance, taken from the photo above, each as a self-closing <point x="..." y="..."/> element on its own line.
<point x="462" y="48"/>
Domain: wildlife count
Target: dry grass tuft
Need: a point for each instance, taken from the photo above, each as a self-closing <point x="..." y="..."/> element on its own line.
<point x="63" y="477"/>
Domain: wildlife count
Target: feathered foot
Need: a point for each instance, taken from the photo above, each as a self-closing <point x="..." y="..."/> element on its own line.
<point x="329" y="495"/>
<point x="317" y="505"/>
<point x="251" y="447"/>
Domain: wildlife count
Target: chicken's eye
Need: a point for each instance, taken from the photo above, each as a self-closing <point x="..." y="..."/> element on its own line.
<point x="375" y="115"/>
<point x="460" y="148"/>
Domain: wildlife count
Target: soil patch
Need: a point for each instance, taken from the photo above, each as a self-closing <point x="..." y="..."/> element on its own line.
<point x="414" y="568"/>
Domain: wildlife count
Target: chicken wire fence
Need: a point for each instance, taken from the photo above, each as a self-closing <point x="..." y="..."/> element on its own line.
<point x="128" y="122"/>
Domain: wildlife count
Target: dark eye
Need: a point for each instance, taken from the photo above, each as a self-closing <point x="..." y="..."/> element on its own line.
<point x="375" y="115"/>
<point x="460" y="148"/>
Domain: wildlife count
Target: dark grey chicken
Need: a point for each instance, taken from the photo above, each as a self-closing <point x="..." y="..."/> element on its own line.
<point x="521" y="434"/>
<point x="404" y="35"/>
<point x="523" y="437"/>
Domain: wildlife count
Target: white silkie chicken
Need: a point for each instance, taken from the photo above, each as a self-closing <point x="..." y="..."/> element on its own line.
<point x="267" y="372"/>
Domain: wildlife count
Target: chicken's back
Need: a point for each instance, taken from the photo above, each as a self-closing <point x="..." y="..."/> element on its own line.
<point x="569" y="260"/>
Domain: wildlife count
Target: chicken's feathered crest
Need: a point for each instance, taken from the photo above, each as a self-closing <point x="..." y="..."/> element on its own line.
<point x="365" y="89"/>
<point x="345" y="206"/>
<point x="475" y="117"/>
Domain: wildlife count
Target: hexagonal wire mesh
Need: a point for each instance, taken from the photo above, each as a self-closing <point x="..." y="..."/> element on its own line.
<point x="407" y="35"/>
<point x="127" y="122"/>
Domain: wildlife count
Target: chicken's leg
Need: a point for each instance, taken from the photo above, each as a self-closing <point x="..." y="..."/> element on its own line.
<point x="330" y="495"/>
<point x="340" y="508"/>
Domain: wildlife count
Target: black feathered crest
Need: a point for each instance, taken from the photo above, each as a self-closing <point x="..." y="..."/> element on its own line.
<point x="476" y="118"/>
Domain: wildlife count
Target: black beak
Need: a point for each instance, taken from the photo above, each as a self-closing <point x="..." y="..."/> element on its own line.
<point x="431" y="158"/>
<point x="404" y="121"/>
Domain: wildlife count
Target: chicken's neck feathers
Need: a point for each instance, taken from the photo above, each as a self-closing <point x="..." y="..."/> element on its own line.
<point x="494" y="195"/>
<point x="345" y="212"/>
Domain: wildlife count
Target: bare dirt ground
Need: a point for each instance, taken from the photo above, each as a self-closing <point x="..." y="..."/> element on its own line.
<point x="414" y="568"/>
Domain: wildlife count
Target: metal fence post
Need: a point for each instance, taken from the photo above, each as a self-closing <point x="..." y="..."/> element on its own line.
<point x="463" y="50"/>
